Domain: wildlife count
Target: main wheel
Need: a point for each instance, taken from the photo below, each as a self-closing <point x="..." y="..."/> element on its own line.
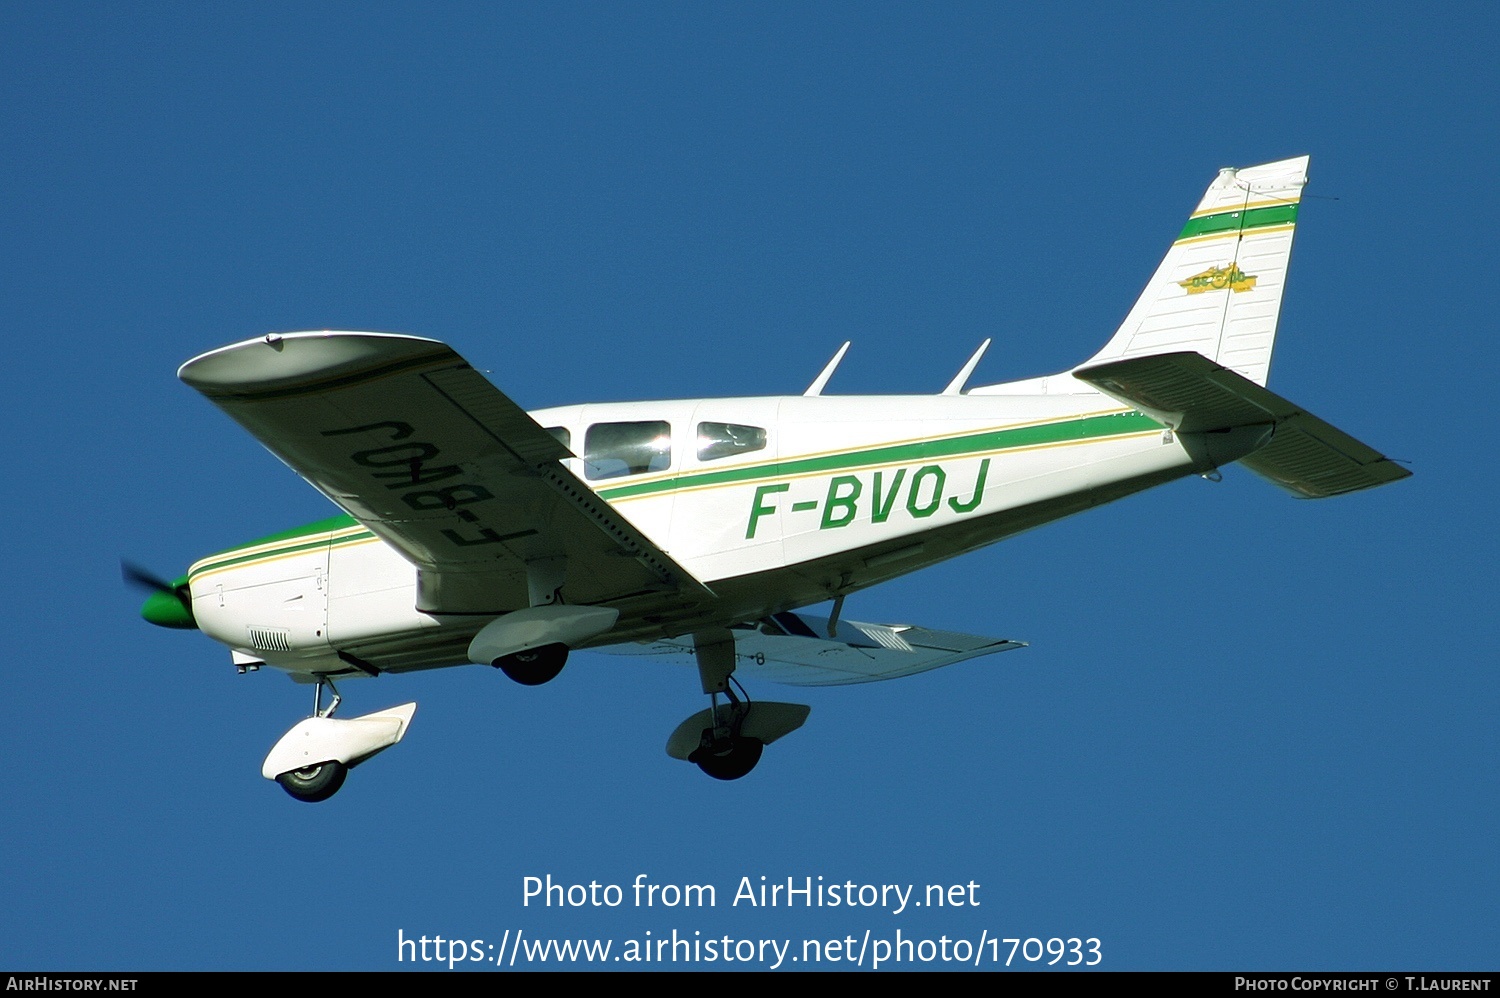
<point x="534" y="666"/>
<point x="314" y="783"/>
<point x="731" y="763"/>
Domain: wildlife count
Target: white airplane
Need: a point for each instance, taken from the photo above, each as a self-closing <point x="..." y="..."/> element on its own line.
<point x="474" y="532"/>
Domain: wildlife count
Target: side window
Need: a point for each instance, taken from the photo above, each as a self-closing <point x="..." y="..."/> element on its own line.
<point x="716" y="440"/>
<point x="561" y="435"/>
<point x="615" y="449"/>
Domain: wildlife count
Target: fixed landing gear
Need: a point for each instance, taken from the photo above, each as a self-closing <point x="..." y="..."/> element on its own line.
<point x="313" y="784"/>
<point x="312" y="760"/>
<point x="534" y="666"/>
<point x="724" y="751"/>
<point x="727" y="739"/>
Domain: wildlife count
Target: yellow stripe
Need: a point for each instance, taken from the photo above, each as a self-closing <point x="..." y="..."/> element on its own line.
<point x="1232" y="233"/>
<point x="194" y="573"/>
<point x="268" y="553"/>
<point x="894" y="464"/>
<point x="608" y="483"/>
<point x="1244" y="207"/>
<point x="274" y="546"/>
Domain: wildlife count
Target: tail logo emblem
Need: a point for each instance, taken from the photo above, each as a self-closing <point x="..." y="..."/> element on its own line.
<point x="1217" y="279"/>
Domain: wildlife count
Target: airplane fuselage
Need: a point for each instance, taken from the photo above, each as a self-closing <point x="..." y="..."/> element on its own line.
<point x="773" y="503"/>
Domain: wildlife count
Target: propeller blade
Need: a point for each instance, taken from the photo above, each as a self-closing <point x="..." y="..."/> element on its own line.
<point x="168" y="605"/>
<point x="139" y="577"/>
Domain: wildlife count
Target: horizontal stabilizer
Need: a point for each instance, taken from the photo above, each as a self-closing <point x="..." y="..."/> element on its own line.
<point x="1192" y="394"/>
<point x="796" y="649"/>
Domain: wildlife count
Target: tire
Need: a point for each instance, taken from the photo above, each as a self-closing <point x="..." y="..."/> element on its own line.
<point x="534" y="666"/>
<point x="314" y="783"/>
<point x="742" y="756"/>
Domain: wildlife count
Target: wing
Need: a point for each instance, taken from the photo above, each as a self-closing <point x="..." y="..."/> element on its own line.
<point x="420" y="448"/>
<point x="796" y="649"/>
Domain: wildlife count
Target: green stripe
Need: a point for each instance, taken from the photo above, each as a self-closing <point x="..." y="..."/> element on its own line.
<point x="1087" y="428"/>
<point x="974" y="443"/>
<point x="319" y="531"/>
<point x="1226" y="221"/>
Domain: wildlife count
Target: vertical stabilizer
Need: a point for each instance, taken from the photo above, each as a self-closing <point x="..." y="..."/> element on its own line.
<point x="1218" y="291"/>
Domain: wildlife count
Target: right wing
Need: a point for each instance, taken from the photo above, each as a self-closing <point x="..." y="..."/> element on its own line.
<point x="420" y="448"/>
<point x="796" y="649"/>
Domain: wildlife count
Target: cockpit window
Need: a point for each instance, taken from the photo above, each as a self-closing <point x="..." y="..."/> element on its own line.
<point x="612" y="450"/>
<point x="561" y="435"/>
<point x="716" y="440"/>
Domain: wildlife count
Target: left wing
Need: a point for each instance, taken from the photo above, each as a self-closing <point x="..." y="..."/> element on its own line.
<point x="798" y="650"/>
<point x="420" y="448"/>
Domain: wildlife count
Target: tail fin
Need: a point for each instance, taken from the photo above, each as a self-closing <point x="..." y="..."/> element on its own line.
<point x="1218" y="291"/>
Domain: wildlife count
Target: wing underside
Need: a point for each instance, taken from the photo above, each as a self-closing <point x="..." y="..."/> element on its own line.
<point x="420" y="448"/>
<point x="800" y="649"/>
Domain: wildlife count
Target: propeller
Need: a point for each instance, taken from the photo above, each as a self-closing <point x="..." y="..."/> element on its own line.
<point x="170" y="603"/>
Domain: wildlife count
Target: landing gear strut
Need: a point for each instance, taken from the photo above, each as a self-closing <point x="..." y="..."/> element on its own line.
<point x="333" y="704"/>
<point x="724" y="751"/>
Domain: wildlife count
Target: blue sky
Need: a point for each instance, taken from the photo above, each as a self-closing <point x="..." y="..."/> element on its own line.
<point x="1249" y="732"/>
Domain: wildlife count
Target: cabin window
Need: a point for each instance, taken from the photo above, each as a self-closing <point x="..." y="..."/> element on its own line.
<point x="561" y="435"/>
<point x="615" y="449"/>
<point x="716" y="440"/>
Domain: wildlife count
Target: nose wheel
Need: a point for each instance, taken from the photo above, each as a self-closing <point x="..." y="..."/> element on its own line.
<point x="314" y="783"/>
<point x="312" y="760"/>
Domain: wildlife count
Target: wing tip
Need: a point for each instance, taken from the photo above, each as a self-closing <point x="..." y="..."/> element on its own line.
<point x="277" y="362"/>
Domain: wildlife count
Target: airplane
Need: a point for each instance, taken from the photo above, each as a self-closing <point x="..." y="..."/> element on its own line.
<point x="473" y="532"/>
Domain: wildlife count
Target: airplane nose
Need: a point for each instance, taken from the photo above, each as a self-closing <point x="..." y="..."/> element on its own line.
<point x="170" y="609"/>
<point x="170" y="603"/>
